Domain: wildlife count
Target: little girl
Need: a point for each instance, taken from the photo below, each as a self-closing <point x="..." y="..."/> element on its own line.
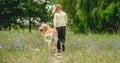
<point x="60" y="21"/>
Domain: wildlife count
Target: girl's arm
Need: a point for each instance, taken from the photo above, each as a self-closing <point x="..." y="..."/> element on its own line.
<point x="54" y="20"/>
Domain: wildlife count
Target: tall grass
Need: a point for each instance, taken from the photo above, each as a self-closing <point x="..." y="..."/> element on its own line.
<point x="23" y="47"/>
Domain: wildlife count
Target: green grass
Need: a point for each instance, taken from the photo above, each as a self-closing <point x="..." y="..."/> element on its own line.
<point x="22" y="47"/>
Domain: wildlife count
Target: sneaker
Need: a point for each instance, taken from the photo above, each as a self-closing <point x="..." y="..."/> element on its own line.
<point x="59" y="51"/>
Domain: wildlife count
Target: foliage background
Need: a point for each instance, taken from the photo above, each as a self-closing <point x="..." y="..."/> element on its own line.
<point x="84" y="15"/>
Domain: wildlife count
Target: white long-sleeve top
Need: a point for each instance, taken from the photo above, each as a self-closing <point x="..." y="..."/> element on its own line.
<point x="60" y="19"/>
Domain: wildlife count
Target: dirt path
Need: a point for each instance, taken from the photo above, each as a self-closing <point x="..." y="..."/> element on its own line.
<point x="57" y="58"/>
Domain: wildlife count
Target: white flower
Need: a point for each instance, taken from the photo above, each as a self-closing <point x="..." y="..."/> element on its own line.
<point x="36" y="49"/>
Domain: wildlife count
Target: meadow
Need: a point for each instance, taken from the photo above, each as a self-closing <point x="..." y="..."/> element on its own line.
<point x="19" y="46"/>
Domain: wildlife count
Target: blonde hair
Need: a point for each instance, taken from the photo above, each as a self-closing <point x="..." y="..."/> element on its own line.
<point x="58" y="6"/>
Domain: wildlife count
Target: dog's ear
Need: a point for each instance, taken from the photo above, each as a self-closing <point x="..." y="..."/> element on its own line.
<point x="46" y="27"/>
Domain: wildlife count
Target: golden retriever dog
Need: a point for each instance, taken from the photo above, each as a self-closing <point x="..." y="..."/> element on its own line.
<point x="50" y="36"/>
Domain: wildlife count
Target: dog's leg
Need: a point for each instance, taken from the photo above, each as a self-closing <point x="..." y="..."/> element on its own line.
<point x="52" y="42"/>
<point x="55" y="47"/>
<point x="55" y="43"/>
<point x="49" y="46"/>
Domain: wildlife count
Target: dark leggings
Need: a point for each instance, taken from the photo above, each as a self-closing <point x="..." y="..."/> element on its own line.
<point x="61" y="37"/>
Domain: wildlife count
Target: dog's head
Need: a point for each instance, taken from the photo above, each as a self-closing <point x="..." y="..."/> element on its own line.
<point x="44" y="27"/>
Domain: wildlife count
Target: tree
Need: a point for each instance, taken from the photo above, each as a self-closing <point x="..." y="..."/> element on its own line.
<point x="35" y="9"/>
<point x="12" y="10"/>
<point x="9" y="11"/>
